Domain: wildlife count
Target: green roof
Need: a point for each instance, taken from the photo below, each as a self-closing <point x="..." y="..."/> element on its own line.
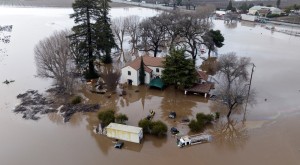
<point x="157" y="82"/>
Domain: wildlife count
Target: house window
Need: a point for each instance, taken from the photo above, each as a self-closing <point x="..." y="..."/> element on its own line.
<point x="157" y="70"/>
<point x="129" y="73"/>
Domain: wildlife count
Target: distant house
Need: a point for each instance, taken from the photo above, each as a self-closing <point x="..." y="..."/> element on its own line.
<point x="275" y="10"/>
<point x="264" y="10"/>
<point x="153" y="68"/>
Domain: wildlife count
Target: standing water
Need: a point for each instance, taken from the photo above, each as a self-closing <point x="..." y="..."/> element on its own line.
<point x="50" y="141"/>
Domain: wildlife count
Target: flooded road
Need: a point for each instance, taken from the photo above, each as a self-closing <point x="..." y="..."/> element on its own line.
<point x="272" y="134"/>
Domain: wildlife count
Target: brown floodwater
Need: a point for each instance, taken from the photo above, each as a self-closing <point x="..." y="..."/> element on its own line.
<point x="271" y="134"/>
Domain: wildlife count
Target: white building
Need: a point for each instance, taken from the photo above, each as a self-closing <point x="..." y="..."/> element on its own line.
<point x="256" y="10"/>
<point x="153" y="68"/>
<point x="124" y="132"/>
<point x="275" y="10"/>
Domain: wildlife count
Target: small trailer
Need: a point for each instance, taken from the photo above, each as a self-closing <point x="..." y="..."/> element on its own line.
<point x="124" y="132"/>
<point x="193" y="139"/>
<point x="247" y="17"/>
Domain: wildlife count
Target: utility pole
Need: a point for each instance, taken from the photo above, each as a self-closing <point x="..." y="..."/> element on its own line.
<point x="244" y="119"/>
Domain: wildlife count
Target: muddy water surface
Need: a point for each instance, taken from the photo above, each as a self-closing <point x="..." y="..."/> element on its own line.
<point x="50" y="141"/>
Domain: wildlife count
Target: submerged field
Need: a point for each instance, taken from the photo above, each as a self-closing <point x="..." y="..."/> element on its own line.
<point x="270" y="137"/>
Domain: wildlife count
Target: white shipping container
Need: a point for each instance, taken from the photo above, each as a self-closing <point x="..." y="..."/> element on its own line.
<point x="124" y="132"/>
<point x="247" y="17"/>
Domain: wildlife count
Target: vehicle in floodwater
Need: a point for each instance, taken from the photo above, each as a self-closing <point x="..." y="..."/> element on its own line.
<point x="193" y="139"/>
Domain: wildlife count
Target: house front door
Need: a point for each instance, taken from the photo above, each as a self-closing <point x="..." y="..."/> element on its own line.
<point x="129" y="82"/>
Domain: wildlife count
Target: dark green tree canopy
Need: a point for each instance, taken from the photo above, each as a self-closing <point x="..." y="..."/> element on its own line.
<point x="213" y="39"/>
<point x="92" y="36"/>
<point x="179" y="70"/>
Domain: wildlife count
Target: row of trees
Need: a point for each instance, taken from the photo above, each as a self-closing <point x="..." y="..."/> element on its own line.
<point x="183" y="30"/>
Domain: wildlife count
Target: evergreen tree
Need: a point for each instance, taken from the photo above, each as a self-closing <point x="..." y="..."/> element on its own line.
<point x="83" y="39"/>
<point x="179" y="70"/>
<point x="229" y="6"/>
<point x="91" y="34"/>
<point x="213" y="39"/>
<point x="278" y="3"/>
<point x="142" y="72"/>
<point x="106" y="38"/>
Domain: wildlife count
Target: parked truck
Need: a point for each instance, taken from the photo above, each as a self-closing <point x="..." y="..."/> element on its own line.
<point x="124" y="132"/>
<point x="193" y="139"/>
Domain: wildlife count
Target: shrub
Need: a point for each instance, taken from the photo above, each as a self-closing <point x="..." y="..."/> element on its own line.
<point x="76" y="100"/>
<point x="106" y="117"/>
<point x="217" y="116"/>
<point x="201" y="121"/>
<point x="273" y="15"/>
<point x="196" y="126"/>
<point x="204" y="119"/>
<point x="146" y="125"/>
<point x="121" y="118"/>
<point x="159" y="128"/>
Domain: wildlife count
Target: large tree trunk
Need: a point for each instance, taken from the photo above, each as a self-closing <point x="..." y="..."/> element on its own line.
<point x="229" y="113"/>
<point x="90" y="49"/>
<point x="155" y="51"/>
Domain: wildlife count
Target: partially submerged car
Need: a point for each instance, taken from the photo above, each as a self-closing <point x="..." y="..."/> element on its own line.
<point x="174" y="130"/>
<point x="119" y="145"/>
<point x="172" y="115"/>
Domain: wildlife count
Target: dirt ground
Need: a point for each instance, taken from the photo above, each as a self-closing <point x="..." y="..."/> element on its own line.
<point x="290" y="19"/>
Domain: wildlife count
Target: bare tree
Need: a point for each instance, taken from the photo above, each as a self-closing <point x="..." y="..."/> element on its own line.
<point x="232" y="67"/>
<point x="232" y="89"/>
<point x="153" y="34"/>
<point x="170" y="22"/>
<point x="132" y="29"/>
<point x="193" y="27"/>
<point x="54" y="60"/>
<point x="119" y="28"/>
<point x="111" y="76"/>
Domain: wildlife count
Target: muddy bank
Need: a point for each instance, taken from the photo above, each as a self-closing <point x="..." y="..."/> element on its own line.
<point x="33" y="105"/>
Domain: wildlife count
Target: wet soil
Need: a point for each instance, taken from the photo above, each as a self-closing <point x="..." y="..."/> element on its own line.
<point x="34" y="104"/>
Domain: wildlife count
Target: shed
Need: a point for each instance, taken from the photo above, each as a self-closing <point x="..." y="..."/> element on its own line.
<point x="157" y="82"/>
<point x="200" y="88"/>
<point x="124" y="132"/>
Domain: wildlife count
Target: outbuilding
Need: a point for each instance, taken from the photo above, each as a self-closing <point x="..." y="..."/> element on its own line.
<point x="124" y="132"/>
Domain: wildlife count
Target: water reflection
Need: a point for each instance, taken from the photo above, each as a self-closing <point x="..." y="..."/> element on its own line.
<point x="230" y="134"/>
<point x="231" y="25"/>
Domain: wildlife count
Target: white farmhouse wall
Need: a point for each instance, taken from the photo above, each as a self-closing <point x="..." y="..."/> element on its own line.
<point x="134" y="75"/>
<point x="147" y="77"/>
<point x="154" y="73"/>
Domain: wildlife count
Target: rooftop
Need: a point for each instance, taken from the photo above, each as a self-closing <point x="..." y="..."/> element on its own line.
<point x="202" y="75"/>
<point x="123" y="127"/>
<point x="148" y="61"/>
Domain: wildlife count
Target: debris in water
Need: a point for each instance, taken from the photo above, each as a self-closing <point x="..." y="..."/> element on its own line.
<point x="34" y="104"/>
<point x="8" y="82"/>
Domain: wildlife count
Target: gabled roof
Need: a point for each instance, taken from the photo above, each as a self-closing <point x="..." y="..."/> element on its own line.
<point x="263" y="11"/>
<point x="202" y="75"/>
<point x="258" y="7"/>
<point x="148" y="61"/>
